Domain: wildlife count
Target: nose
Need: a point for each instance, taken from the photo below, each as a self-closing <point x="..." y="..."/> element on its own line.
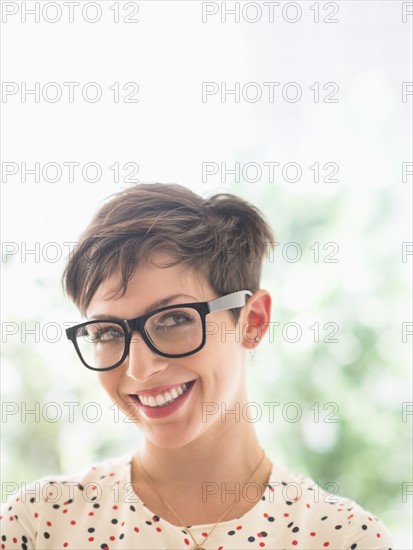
<point x="143" y="363"/>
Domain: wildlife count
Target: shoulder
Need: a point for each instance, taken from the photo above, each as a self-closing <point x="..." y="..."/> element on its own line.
<point x="312" y="512"/>
<point x="36" y="506"/>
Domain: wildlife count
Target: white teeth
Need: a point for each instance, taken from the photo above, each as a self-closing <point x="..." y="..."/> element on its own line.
<point x="164" y="398"/>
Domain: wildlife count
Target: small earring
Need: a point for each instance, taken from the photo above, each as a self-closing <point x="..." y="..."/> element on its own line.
<point x="257" y="339"/>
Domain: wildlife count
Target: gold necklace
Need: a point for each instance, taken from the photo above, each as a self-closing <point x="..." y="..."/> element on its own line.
<point x="227" y="511"/>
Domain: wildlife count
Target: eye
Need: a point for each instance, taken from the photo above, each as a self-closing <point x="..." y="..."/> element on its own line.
<point x="102" y="332"/>
<point x="174" y="319"/>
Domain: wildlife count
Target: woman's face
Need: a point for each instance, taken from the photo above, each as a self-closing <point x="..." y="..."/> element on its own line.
<point x="214" y="376"/>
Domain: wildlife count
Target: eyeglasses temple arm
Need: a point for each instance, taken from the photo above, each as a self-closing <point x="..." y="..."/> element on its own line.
<point x="232" y="301"/>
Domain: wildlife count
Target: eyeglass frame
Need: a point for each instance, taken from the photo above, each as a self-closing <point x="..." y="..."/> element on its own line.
<point x="129" y="326"/>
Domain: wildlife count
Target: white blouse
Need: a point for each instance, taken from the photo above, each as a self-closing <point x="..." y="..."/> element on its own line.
<point x="100" y="510"/>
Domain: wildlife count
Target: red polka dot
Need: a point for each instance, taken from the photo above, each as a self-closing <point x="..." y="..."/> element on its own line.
<point x="286" y="515"/>
<point x="91" y="513"/>
<point x="2" y="547"/>
<point x="239" y="527"/>
<point x="312" y="534"/>
<point x="262" y="544"/>
<point x="265" y="515"/>
<point x="186" y="541"/>
<point x="370" y="519"/>
<point x="326" y="544"/>
<point x="204" y="534"/>
<point x="11" y="518"/>
<point x="378" y="535"/>
<point x="73" y="522"/>
<point x="308" y="506"/>
<point x="122" y="524"/>
<point x="14" y="540"/>
<point x="158" y="529"/>
<point x="64" y="511"/>
<point x="136" y="529"/>
<point x="114" y="507"/>
<point x="294" y="542"/>
<point x="48" y="523"/>
<point x="65" y="545"/>
<point x="91" y="539"/>
<point x="36" y="515"/>
<point x="112" y="538"/>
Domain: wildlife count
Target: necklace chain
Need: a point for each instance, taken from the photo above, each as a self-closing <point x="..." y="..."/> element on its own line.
<point x="226" y="512"/>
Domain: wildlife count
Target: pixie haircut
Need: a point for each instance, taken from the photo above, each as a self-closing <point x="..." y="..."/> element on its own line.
<point x="222" y="238"/>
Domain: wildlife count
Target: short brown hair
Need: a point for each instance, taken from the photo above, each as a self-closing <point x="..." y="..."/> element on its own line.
<point x="221" y="237"/>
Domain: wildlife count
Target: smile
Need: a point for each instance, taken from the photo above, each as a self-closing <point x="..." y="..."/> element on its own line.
<point x="161" y="403"/>
<point x="164" y="398"/>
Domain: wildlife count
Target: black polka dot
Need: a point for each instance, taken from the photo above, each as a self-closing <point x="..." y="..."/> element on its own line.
<point x="114" y="521"/>
<point x="96" y="505"/>
<point x="290" y="524"/>
<point x="323" y="518"/>
<point x="251" y="539"/>
<point x="353" y="546"/>
<point x="296" y="529"/>
<point x="91" y="530"/>
<point x="338" y="527"/>
<point x="231" y="533"/>
<point x="46" y="535"/>
<point x="364" y="527"/>
<point x="121" y="536"/>
<point x="271" y="518"/>
<point x="132" y="508"/>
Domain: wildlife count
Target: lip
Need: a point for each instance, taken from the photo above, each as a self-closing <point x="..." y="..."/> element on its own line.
<point x="160" y="389"/>
<point x="161" y="412"/>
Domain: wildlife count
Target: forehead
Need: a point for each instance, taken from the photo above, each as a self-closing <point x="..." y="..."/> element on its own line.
<point x="149" y="285"/>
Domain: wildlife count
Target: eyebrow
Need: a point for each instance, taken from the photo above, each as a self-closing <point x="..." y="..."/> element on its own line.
<point x="153" y="306"/>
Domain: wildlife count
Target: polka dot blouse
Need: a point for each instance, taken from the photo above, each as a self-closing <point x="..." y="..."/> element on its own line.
<point x="100" y="510"/>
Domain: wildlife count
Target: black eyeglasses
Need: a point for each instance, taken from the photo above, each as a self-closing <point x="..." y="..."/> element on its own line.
<point x="172" y="331"/>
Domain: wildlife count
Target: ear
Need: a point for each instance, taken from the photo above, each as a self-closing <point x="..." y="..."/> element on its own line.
<point x="255" y="318"/>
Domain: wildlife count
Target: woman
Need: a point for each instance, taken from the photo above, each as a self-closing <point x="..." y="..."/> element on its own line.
<point x="169" y="286"/>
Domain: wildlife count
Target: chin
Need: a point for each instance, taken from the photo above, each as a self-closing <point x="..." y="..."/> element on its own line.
<point x="167" y="438"/>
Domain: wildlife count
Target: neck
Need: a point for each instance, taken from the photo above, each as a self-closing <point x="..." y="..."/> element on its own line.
<point x="229" y="456"/>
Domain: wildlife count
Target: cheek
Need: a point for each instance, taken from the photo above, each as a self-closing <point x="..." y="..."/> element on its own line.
<point x="109" y="381"/>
